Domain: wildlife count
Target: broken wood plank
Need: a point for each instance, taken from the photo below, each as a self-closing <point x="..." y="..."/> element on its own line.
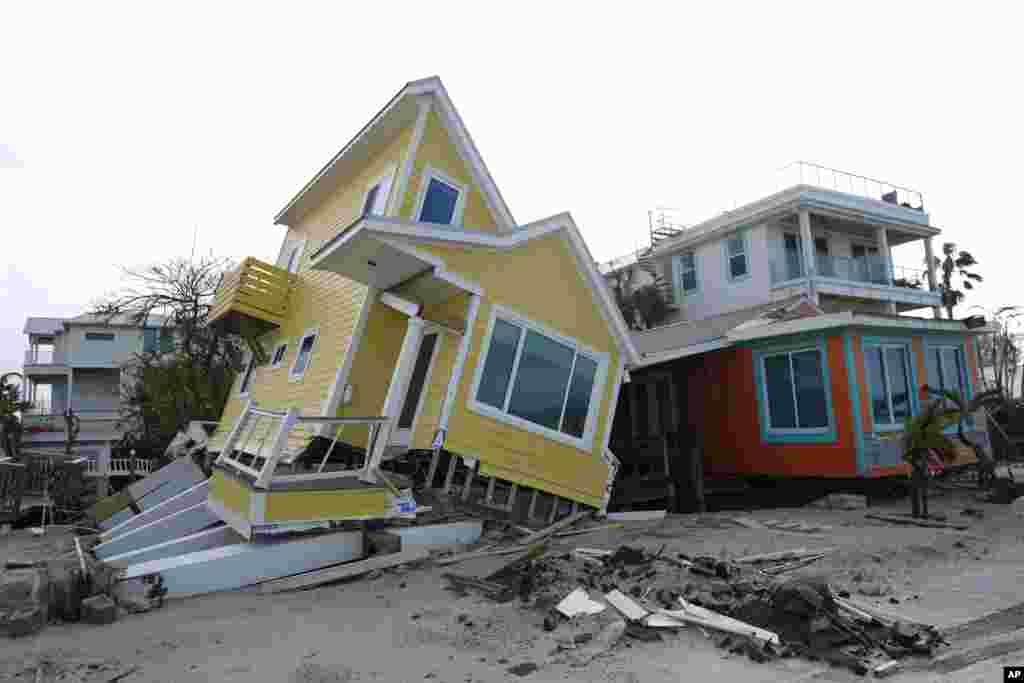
<point x="637" y="516"/>
<point x="626" y="606"/>
<point x="476" y="554"/>
<point x="498" y="592"/>
<point x="704" y="617"/>
<point x="795" y="554"/>
<point x="342" y="571"/>
<point x="556" y="527"/>
<point x="781" y="569"/>
<point x="894" y="519"/>
<point x="579" y="532"/>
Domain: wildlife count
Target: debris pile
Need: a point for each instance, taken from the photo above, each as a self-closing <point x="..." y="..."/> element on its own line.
<point x="747" y="603"/>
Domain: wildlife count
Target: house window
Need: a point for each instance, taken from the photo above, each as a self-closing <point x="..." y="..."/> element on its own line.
<point x="945" y="366"/>
<point x="250" y="367"/>
<point x="303" y="355"/>
<point x="99" y="336"/>
<point x="441" y="199"/>
<point x="376" y="200"/>
<point x="736" y="255"/>
<point x="150" y="335"/>
<point x="795" y="390"/>
<point x="889" y="383"/>
<point x="539" y="380"/>
<point x="686" y="264"/>
<point x="278" y="356"/>
<point x="371" y="200"/>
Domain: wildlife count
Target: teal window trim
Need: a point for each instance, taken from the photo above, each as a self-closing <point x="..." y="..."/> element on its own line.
<point x="932" y="344"/>
<point x="744" y="236"/>
<point x="794" y="435"/>
<point x="677" y="268"/>
<point x="906" y="344"/>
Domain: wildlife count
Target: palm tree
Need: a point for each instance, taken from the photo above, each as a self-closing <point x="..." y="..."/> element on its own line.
<point x="925" y="433"/>
<point x="955" y="263"/>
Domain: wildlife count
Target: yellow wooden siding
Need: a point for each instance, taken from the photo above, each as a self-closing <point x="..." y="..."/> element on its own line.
<point x="563" y="302"/>
<point x="230" y="493"/>
<point x="319" y="299"/>
<point x="437" y="150"/>
<point x="373" y="367"/>
<point x="448" y="313"/>
<point x="298" y="506"/>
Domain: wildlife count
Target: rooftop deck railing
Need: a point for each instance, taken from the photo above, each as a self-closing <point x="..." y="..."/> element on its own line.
<point x="807" y="173"/>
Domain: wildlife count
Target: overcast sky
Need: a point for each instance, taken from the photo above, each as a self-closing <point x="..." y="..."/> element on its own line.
<point x="126" y="127"/>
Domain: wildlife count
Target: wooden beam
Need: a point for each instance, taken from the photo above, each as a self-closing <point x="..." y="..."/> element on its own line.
<point x="342" y="571"/>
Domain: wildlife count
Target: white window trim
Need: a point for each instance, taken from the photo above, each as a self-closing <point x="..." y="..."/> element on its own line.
<point x="742" y="236"/>
<point x="784" y="431"/>
<point x="431" y="173"/>
<point x="244" y="390"/>
<point x="297" y="377"/>
<point x="961" y="356"/>
<point x="908" y="358"/>
<point x="273" y="354"/>
<point x="286" y="249"/>
<point x="696" y="273"/>
<point x="386" y="180"/>
<point x="584" y="443"/>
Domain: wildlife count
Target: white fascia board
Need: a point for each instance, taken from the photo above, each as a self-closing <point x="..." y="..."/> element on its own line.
<point x="562" y="221"/>
<point x="776" y="329"/>
<point x="682" y="352"/>
<point x="906" y="322"/>
<point x="466" y="147"/>
<point x="399" y="304"/>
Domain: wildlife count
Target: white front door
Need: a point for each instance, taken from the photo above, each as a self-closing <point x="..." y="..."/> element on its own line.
<point x="401" y="435"/>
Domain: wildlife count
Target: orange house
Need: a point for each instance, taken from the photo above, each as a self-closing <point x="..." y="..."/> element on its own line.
<point x="795" y="392"/>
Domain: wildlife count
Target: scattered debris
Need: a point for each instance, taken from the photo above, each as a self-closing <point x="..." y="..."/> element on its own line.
<point x="894" y="519"/>
<point x="797" y="554"/>
<point x="577" y="603"/>
<point x="627" y="607"/>
<point x="99" y="609"/>
<point x="495" y="591"/>
<point x="524" y="669"/>
<point x="343" y="571"/>
<point x="602" y="642"/>
<point x="638" y="516"/>
<point x="841" y="501"/>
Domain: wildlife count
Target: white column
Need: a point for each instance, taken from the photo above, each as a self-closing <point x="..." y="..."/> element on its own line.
<point x="396" y="393"/>
<point x="807" y="246"/>
<point x="69" y="403"/>
<point x="884" y="252"/>
<point x="929" y="257"/>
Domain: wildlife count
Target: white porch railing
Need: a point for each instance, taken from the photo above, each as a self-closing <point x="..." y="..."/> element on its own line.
<point x="866" y="269"/>
<point x="44" y="356"/>
<point x="261" y="440"/>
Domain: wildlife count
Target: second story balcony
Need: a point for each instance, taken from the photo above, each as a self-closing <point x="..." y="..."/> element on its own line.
<point x="867" y="276"/>
<point x="45" y="360"/>
<point x="253" y="299"/>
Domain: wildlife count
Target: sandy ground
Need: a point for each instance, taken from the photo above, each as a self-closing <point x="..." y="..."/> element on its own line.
<point x="406" y="626"/>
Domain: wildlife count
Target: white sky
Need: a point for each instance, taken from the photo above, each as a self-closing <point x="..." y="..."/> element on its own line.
<point x="126" y="126"/>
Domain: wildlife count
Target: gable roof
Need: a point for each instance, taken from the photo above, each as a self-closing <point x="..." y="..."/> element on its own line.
<point x="388" y="228"/>
<point x="396" y="113"/>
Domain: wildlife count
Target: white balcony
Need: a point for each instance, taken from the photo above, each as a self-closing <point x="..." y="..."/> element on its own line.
<point x="45" y="361"/>
<point x="864" y="277"/>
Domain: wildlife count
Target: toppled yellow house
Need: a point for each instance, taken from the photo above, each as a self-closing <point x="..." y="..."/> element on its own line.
<point x="408" y="314"/>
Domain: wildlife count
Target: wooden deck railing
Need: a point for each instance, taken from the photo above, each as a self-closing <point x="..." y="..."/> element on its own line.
<point x="255" y="289"/>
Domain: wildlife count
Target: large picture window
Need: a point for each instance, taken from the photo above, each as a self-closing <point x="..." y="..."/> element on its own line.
<point x="889" y="383"/>
<point x="538" y="379"/>
<point x="945" y="366"/>
<point x="796" y="395"/>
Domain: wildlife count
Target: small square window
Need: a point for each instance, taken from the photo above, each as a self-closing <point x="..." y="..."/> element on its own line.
<point x="371" y="199"/>
<point x="736" y="253"/>
<point x="99" y="336"/>
<point x="303" y="355"/>
<point x="279" y="353"/>
<point x="439" y="203"/>
<point x="250" y="367"/>
<point x="688" y="271"/>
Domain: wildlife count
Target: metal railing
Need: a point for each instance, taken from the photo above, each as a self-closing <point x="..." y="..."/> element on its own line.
<point x="866" y="269"/>
<point x="807" y="173"/>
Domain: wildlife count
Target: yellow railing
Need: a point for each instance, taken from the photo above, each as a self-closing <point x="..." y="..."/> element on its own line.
<point x="256" y="290"/>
